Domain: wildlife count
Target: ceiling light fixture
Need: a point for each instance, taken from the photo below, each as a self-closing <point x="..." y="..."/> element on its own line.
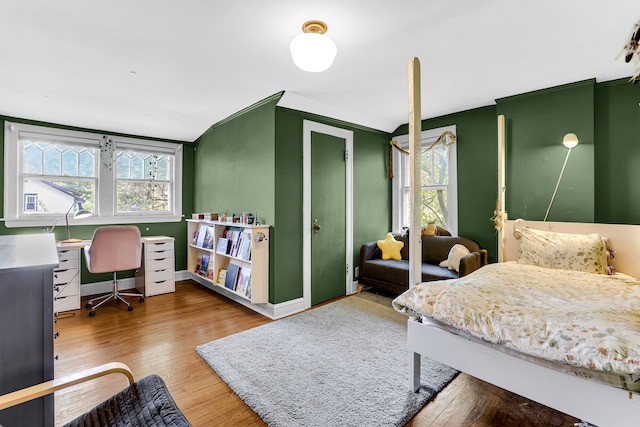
<point x="313" y="51"/>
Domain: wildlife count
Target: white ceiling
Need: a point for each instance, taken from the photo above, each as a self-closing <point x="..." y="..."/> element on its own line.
<point x="199" y="61"/>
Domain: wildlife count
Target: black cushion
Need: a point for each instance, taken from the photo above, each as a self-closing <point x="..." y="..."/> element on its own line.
<point x="146" y="402"/>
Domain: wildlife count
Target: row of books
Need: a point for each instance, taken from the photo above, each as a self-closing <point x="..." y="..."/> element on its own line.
<point x="204" y="267"/>
<point x="236" y="278"/>
<point x="236" y="243"/>
<point x="204" y="237"/>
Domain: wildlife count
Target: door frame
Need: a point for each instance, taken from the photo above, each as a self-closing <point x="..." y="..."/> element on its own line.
<point x="309" y="126"/>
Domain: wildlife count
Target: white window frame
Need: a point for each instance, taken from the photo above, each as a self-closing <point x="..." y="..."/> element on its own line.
<point x="106" y="180"/>
<point x="427" y="137"/>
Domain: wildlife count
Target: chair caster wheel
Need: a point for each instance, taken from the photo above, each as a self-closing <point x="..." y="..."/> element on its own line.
<point x="88" y="305"/>
<point x="92" y="313"/>
<point x="130" y="307"/>
<point x="141" y="299"/>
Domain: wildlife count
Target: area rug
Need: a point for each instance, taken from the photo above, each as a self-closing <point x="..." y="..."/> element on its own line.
<point x="341" y="364"/>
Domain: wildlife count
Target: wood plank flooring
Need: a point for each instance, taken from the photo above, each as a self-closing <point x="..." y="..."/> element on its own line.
<point x="160" y="335"/>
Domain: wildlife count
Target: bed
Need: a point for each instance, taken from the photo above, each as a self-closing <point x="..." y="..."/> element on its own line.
<point x="549" y="345"/>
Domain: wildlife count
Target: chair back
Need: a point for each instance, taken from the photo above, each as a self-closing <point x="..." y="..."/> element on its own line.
<point x="114" y="248"/>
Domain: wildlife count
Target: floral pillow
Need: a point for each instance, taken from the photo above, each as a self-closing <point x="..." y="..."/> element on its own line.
<point x="563" y="251"/>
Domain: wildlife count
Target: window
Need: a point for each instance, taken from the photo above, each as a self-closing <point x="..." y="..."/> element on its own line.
<point x="120" y="180"/>
<point x="439" y="184"/>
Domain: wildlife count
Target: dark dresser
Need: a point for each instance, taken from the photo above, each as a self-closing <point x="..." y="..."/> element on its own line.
<point x="26" y="324"/>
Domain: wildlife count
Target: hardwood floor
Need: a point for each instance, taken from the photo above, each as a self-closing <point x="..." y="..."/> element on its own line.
<point x="160" y="335"/>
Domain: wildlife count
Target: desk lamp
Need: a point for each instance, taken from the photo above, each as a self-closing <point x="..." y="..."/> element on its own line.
<point x="80" y="213"/>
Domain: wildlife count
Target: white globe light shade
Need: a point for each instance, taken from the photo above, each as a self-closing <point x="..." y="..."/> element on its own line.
<point x="313" y="52"/>
<point x="570" y="140"/>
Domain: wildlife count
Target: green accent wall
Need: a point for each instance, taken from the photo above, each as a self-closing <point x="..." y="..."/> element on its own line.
<point x="536" y="123"/>
<point x="371" y="196"/>
<point x="177" y="230"/>
<point x="253" y="161"/>
<point x="617" y="152"/>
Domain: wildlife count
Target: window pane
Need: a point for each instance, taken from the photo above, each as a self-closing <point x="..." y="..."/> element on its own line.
<point x="142" y="196"/>
<point x="434" y="207"/>
<point x="58" y="196"/>
<point x="32" y="158"/>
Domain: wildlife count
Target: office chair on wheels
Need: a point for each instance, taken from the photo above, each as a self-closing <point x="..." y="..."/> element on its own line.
<point x="112" y="249"/>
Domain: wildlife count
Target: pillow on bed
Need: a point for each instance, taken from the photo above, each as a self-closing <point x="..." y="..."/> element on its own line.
<point x="455" y="254"/>
<point x="563" y="251"/>
<point x="611" y="254"/>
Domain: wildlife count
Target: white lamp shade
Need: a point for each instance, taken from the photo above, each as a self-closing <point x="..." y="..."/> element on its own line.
<point x="570" y="140"/>
<point x="313" y="52"/>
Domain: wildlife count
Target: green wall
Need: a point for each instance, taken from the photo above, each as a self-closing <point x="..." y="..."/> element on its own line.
<point x="371" y="196"/>
<point x="253" y="161"/>
<point x="617" y="153"/>
<point x="535" y="125"/>
<point x="177" y="230"/>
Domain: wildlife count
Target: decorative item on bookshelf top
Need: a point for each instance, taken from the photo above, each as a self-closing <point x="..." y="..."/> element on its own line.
<point x="245" y="218"/>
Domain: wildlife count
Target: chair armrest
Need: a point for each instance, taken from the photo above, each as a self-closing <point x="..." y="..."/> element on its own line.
<point x="24" y="395"/>
<point x="370" y="250"/>
<point x="470" y="263"/>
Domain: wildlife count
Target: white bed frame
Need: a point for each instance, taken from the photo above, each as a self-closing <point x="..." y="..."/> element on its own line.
<point x="596" y="403"/>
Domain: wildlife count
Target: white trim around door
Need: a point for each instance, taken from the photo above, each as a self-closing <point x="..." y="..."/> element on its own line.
<point x="347" y="135"/>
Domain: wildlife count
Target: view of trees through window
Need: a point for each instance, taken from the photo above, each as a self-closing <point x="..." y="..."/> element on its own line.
<point x="434" y="179"/>
<point x="143" y="181"/>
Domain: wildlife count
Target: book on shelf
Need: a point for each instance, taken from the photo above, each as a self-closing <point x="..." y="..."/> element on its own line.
<point x="207" y="243"/>
<point x="198" y="263"/>
<point x="232" y="275"/>
<point x="223" y="245"/>
<point x="210" y="272"/>
<point x="222" y="275"/>
<point x="243" y="280"/>
<point x="202" y="231"/>
<point x="204" y="265"/>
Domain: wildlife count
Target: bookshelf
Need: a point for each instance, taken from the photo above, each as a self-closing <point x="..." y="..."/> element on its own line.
<point x="238" y="252"/>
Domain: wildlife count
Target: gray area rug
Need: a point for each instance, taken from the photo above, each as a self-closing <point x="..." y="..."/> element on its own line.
<point x="341" y="364"/>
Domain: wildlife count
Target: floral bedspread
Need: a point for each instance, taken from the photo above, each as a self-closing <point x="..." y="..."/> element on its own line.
<point x="582" y="319"/>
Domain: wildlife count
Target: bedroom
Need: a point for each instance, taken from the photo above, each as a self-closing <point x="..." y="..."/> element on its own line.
<point x="608" y="118"/>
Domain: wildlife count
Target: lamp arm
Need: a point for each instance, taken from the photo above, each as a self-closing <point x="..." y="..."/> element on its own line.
<point x="66" y="218"/>
<point x="557" y="185"/>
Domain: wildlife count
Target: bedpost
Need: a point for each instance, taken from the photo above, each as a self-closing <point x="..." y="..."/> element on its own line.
<point x="501" y="214"/>
<point x="415" y="192"/>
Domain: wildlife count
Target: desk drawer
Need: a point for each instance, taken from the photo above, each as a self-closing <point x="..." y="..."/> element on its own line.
<point x="65" y="276"/>
<point x="66" y="254"/>
<point x="163" y="263"/>
<point x="160" y="287"/>
<point x="151" y="248"/>
<point x="66" y="303"/>
<point x="66" y="264"/>
<point x="66" y="289"/>
<point x="152" y="276"/>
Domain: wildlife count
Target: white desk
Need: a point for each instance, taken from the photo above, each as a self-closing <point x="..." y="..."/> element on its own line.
<point x="155" y="276"/>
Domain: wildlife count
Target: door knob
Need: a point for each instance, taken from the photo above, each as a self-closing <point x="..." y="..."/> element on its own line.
<point x="316" y="228"/>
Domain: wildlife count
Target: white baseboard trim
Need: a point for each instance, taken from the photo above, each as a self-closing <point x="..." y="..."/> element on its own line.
<point x="106" y="286"/>
<point x="272" y="311"/>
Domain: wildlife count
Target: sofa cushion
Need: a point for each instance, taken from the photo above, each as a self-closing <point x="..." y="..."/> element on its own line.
<point x="397" y="272"/>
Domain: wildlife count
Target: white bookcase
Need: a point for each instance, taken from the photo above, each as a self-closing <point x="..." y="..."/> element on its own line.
<point x="253" y="239"/>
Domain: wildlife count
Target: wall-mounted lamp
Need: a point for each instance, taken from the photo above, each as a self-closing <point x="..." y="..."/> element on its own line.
<point x="313" y="51"/>
<point x="79" y="214"/>
<point x="570" y="140"/>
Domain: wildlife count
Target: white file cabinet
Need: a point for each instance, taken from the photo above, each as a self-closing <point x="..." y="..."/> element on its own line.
<point x="66" y="280"/>
<point x="156" y="275"/>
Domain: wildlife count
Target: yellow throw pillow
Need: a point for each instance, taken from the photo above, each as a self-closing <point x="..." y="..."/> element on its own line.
<point x="390" y="247"/>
